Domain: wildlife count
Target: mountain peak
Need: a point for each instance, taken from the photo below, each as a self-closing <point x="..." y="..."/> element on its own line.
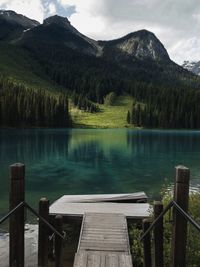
<point x="141" y="44"/>
<point x="144" y="33"/>
<point x="58" y="20"/>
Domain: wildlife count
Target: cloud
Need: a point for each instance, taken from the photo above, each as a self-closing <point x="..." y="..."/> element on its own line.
<point x="175" y="22"/>
<point x="87" y="18"/>
<point x="187" y="49"/>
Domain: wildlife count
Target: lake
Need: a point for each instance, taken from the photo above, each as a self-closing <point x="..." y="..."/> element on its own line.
<point x="89" y="161"/>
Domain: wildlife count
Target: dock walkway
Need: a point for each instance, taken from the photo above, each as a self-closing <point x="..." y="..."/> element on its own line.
<point x="103" y="242"/>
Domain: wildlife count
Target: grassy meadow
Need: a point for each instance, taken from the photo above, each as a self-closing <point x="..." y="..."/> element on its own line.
<point x="113" y="116"/>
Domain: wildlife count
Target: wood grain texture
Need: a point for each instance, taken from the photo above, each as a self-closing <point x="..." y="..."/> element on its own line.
<point x="102" y="259"/>
<point x="103" y="241"/>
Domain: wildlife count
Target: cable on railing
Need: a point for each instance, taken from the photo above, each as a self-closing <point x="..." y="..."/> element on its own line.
<point x="11" y="212"/>
<point x="157" y="219"/>
<point x="187" y="217"/>
<point x="45" y="221"/>
<point x="24" y="204"/>
<point x="168" y="207"/>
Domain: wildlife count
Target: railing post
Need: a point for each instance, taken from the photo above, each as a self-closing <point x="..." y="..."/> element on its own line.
<point x="16" y="222"/>
<point x="43" y="233"/>
<point x="158" y="235"/>
<point x="147" y="244"/>
<point x="58" y="241"/>
<point x="181" y="196"/>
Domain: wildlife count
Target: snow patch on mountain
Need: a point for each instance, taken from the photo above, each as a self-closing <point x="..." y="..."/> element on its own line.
<point x="193" y="66"/>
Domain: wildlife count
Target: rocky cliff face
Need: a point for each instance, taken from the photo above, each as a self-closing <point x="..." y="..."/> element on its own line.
<point x="141" y="45"/>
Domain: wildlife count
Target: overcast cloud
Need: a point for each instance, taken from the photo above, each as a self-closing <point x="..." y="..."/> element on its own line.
<point x="175" y="22"/>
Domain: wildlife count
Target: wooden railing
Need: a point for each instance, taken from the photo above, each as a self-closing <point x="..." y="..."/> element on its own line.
<point x="16" y="217"/>
<point x="179" y="223"/>
<point x="17" y="213"/>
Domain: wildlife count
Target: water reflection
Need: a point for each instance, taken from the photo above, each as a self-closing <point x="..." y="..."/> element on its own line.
<point x="78" y="161"/>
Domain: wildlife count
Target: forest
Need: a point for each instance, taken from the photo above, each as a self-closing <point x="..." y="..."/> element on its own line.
<point x="21" y="106"/>
<point x="159" y="107"/>
<point x="164" y="96"/>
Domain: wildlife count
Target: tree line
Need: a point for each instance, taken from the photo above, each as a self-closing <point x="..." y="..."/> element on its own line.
<point x="165" y="108"/>
<point x="21" y="106"/>
<point x="170" y="94"/>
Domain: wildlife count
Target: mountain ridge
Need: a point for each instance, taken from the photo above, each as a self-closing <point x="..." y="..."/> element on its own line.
<point x="130" y="44"/>
<point x="133" y="38"/>
<point x="14" y="17"/>
<point x="133" y="51"/>
<point x="138" y="54"/>
<point x="13" y="25"/>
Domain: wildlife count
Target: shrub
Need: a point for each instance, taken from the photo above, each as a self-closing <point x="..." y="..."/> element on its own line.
<point x="193" y="238"/>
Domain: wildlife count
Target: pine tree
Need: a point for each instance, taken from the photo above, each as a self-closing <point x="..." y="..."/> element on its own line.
<point x="128" y="118"/>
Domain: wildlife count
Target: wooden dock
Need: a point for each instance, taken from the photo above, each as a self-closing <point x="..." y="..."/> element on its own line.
<point x="103" y="242"/>
<point x="104" y="238"/>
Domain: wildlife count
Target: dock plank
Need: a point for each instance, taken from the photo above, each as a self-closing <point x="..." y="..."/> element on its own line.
<point x="103" y="241"/>
<point x="116" y="222"/>
<point x="102" y="259"/>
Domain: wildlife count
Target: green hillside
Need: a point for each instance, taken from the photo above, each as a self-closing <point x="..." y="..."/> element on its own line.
<point x="109" y="116"/>
<point x="28" y="98"/>
<point x="16" y="64"/>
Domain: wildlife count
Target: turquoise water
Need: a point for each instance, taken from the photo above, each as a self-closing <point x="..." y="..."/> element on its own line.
<point x="81" y="161"/>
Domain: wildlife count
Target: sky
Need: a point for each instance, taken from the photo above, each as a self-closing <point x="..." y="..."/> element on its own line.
<point x="175" y="22"/>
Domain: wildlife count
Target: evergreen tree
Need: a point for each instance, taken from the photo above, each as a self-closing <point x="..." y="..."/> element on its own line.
<point x="128" y="118"/>
<point x="21" y="106"/>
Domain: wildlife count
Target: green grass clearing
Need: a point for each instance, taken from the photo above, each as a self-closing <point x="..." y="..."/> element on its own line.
<point x="109" y="117"/>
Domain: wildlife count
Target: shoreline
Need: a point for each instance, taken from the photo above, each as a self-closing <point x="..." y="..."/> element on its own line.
<point x="90" y="127"/>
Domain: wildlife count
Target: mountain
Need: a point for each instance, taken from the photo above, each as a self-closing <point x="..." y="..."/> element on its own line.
<point x="141" y="45"/>
<point x="18" y="19"/>
<point x="139" y="54"/>
<point x="58" y="30"/>
<point x="12" y="25"/>
<point x="138" y="45"/>
<point x="54" y="56"/>
<point x="68" y="57"/>
<point x="193" y="66"/>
